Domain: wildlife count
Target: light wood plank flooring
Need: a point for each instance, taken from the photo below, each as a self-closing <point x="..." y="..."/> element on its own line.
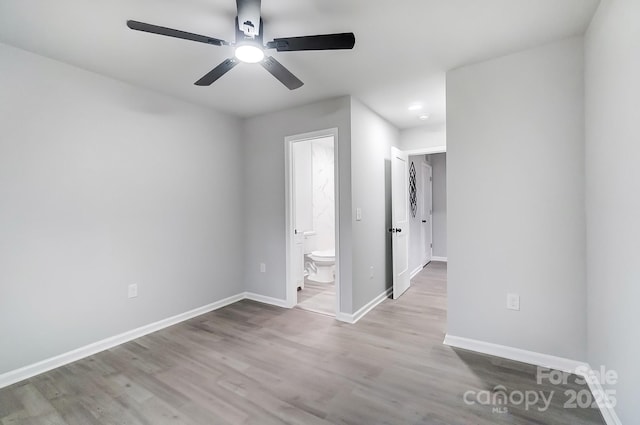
<point x="251" y="363"/>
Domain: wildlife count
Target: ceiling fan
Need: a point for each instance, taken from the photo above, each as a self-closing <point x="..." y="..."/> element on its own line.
<point x="249" y="46"/>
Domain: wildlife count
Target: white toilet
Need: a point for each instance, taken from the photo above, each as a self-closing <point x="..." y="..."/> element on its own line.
<point x="324" y="262"/>
<point x="320" y="263"/>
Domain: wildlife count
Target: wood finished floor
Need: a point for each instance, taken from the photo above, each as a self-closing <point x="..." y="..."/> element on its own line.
<point x="251" y="363"/>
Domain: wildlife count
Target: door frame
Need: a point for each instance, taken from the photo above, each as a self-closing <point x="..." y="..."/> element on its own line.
<point x="425" y="182"/>
<point x="290" y="284"/>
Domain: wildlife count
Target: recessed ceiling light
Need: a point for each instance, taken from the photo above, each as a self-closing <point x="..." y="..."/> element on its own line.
<point x="415" y="106"/>
<point x="424" y="117"/>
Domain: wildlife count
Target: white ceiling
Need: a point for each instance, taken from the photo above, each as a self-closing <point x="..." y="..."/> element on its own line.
<point x="403" y="47"/>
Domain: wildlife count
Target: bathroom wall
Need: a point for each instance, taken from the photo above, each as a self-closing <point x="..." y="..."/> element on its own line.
<point x="322" y="158"/>
<point x="303" y="183"/>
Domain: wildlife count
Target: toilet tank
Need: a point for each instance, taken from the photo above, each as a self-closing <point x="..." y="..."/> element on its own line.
<point x="309" y="241"/>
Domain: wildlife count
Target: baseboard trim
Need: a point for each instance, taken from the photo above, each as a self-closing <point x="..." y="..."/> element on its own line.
<point x="353" y="318"/>
<point x="608" y="412"/>
<point x="415" y="272"/>
<point x="442" y="259"/>
<point x="266" y="300"/>
<point x="543" y="360"/>
<point x="43" y="366"/>
<point x="517" y="354"/>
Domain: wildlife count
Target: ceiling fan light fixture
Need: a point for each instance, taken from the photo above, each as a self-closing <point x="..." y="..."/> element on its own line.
<point x="249" y="53"/>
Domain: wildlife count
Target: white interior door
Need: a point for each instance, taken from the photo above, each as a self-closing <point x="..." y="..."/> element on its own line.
<point x="400" y="221"/>
<point x="427" y="212"/>
<point x="298" y="258"/>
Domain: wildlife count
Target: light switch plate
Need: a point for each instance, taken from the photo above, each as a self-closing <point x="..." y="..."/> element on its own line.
<point x="132" y="290"/>
<point x="513" y="302"/>
<point x="358" y="214"/>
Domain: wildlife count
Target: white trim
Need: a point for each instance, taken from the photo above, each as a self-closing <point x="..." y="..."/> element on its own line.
<point x="607" y="410"/>
<point x="416" y="271"/>
<point x="443" y="259"/>
<point x="543" y="360"/>
<point x="517" y="354"/>
<point x="43" y="366"/>
<point x="290" y="286"/>
<point x="353" y="318"/>
<point x="426" y="151"/>
<point x="266" y="300"/>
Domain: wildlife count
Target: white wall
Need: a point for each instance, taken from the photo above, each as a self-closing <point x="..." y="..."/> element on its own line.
<point x="612" y="194"/>
<point x="101" y="185"/>
<point x="264" y="192"/>
<point x="371" y="141"/>
<point x="515" y="180"/>
<point x="323" y="192"/>
<point x="425" y="137"/>
<point x="439" y="164"/>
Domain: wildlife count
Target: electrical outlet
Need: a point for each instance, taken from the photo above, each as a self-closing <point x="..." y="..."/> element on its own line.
<point x="132" y="290"/>
<point x="371" y="273"/>
<point x="358" y="214"/>
<point x="513" y="302"/>
<point x="263" y="268"/>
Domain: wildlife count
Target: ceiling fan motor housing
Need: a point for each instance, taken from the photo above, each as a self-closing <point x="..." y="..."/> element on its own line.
<point x="248" y="21"/>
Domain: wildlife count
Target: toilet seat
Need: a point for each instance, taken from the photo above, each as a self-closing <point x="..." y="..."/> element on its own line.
<point x="324" y="254"/>
<point x="323" y="261"/>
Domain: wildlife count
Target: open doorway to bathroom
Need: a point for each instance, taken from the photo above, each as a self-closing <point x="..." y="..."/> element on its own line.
<point x="312" y="226"/>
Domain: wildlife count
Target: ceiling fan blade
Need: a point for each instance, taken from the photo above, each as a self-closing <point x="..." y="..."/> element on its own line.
<point x="217" y="72"/>
<point x="281" y="73"/>
<point x="155" y="29"/>
<point x="314" y="42"/>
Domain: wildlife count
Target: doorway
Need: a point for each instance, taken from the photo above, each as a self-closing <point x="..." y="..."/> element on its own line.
<point x="419" y="194"/>
<point x="426" y="213"/>
<point x="312" y="225"/>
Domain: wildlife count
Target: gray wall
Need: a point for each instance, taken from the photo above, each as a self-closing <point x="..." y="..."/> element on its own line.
<point x="612" y="192"/>
<point x="264" y="192"/>
<point x="439" y="164"/>
<point x="364" y="141"/>
<point x="371" y="141"/>
<point x="103" y="185"/>
<point x="515" y="180"/>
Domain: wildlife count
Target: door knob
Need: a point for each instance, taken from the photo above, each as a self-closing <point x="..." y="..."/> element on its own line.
<point x="424" y="221"/>
<point x="396" y="230"/>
